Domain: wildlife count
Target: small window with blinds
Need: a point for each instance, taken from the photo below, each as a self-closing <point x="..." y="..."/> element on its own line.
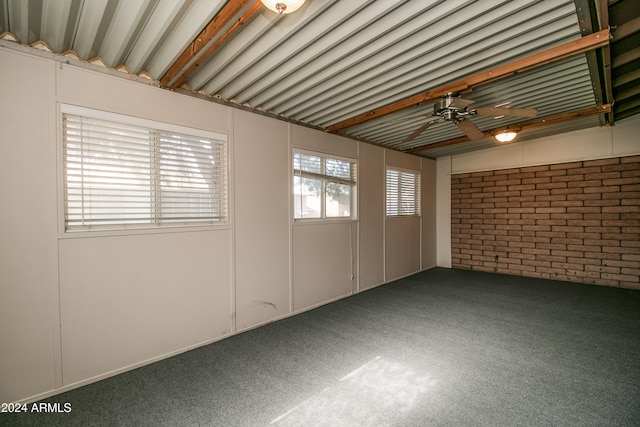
<point x="123" y="172"/>
<point x="323" y="186"/>
<point x="403" y="193"/>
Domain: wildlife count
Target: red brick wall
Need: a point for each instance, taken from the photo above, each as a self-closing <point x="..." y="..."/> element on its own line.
<point x="576" y="221"/>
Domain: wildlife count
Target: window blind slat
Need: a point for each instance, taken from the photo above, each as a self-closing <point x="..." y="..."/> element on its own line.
<point x="121" y="175"/>
<point x="402" y="193"/>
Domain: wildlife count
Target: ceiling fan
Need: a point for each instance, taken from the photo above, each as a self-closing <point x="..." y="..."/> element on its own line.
<point x="452" y="108"/>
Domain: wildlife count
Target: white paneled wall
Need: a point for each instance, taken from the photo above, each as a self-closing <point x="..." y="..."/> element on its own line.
<point x="403" y="254"/>
<point x="324" y="253"/>
<point x="261" y="224"/>
<point x="371" y="216"/>
<point x="125" y="300"/>
<point x="429" y="214"/>
<point x="402" y="247"/>
<point x="75" y="308"/>
<point x="323" y="262"/>
<point x="595" y="143"/>
<point x="29" y="332"/>
<point x="113" y="93"/>
<point x="443" y="212"/>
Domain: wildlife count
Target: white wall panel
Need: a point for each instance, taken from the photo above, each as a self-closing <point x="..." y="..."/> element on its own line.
<point x="111" y="93"/>
<point x="125" y="300"/>
<point x="88" y="306"/>
<point x="315" y="140"/>
<point x="28" y="269"/>
<point x="323" y="262"/>
<point x="428" y="199"/>
<point x="443" y="211"/>
<point x="402" y="160"/>
<point x="262" y="230"/>
<point x="371" y="215"/>
<point x="403" y="254"/>
<point x="158" y="293"/>
<point x="588" y="144"/>
<point x="402" y="247"/>
<point x="324" y="253"/>
<point x="626" y="137"/>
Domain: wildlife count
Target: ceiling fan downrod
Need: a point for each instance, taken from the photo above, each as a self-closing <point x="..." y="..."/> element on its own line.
<point x="446" y="103"/>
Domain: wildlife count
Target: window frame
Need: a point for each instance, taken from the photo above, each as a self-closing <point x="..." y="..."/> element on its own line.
<point x="417" y="193"/>
<point x="156" y="128"/>
<point x="324" y="178"/>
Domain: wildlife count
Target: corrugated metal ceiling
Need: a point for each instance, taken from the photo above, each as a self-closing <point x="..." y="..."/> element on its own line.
<point x="624" y="16"/>
<point x="333" y="60"/>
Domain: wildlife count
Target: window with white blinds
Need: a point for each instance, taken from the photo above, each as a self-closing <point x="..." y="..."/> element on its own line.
<point x="122" y="172"/>
<point x="323" y="187"/>
<point x="403" y="193"/>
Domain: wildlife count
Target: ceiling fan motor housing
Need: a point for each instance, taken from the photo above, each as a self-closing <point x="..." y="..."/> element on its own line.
<point x="449" y="114"/>
<point x="447" y="110"/>
<point x="445" y="103"/>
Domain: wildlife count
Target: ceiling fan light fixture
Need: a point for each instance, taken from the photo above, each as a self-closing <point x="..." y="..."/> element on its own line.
<point x="505" y="136"/>
<point x="283" y="6"/>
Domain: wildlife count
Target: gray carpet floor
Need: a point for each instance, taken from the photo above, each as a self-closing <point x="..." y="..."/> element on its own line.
<point x="443" y="348"/>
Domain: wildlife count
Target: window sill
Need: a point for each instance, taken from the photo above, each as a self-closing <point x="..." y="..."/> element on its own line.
<point x="82" y="234"/>
<point x="322" y="221"/>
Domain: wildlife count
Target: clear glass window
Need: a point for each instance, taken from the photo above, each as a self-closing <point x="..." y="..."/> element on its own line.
<point x="323" y="187"/>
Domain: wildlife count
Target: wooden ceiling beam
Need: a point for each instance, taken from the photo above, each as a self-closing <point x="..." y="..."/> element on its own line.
<point x="566" y="50"/>
<point x="544" y="121"/>
<point x="194" y="54"/>
<point x="400" y="105"/>
<point x="572" y="48"/>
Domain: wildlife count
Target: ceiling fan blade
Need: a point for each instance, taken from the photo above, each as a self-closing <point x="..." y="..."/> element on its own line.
<point x="470" y="130"/>
<point x="518" y="112"/>
<point x="460" y="103"/>
<point x="417" y="132"/>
